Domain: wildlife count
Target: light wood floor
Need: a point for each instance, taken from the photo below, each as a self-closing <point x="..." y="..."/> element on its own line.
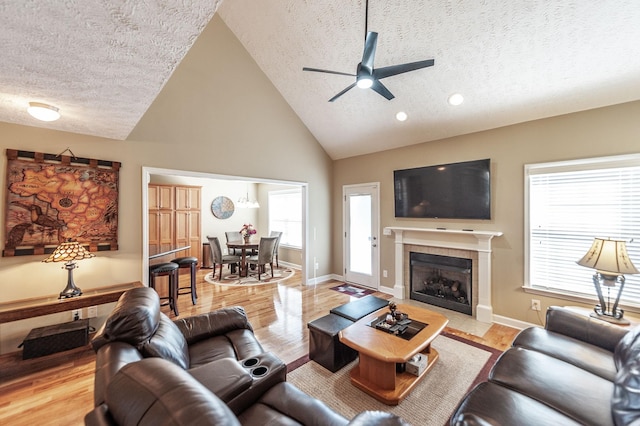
<point x="58" y="389"/>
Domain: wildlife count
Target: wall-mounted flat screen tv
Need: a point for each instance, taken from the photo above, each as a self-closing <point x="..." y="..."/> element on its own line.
<point x="446" y="191"/>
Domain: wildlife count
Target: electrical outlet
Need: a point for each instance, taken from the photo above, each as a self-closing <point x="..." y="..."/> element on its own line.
<point x="535" y="304"/>
<point x="384" y="273"/>
<point x="76" y="314"/>
<point x="92" y="311"/>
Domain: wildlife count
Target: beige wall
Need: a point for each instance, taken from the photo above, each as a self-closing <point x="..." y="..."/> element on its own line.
<point x="602" y="132"/>
<point x="217" y="114"/>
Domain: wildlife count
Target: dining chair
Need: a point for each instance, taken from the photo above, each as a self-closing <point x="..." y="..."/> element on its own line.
<point x="264" y="256"/>
<point x="275" y="249"/>
<point x="233" y="237"/>
<point x="217" y="258"/>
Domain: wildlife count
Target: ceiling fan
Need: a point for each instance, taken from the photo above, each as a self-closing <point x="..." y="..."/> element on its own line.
<point x="366" y="75"/>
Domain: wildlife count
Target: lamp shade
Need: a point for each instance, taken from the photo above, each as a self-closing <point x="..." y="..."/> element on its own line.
<point x="609" y="257"/>
<point x="68" y="252"/>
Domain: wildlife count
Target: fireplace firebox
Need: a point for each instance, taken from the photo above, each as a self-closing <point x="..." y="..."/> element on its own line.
<point x="443" y="281"/>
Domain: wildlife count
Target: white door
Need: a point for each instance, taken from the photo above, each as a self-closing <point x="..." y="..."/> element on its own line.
<point x="361" y="217"/>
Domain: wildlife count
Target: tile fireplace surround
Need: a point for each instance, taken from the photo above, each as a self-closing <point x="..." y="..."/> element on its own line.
<point x="458" y="241"/>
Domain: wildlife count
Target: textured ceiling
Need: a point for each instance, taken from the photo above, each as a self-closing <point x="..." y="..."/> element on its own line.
<point x="513" y="60"/>
<point x="104" y="62"/>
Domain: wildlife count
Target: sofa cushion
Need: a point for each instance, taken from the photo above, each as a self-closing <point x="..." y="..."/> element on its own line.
<point x="200" y="327"/>
<point x="628" y="348"/>
<point x="491" y="404"/>
<point x="209" y="350"/>
<point x="625" y="404"/>
<point x="168" y="343"/>
<point x="133" y="320"/>
<point x="156" y="391"/>
<point x="575" y="392"/>
<point x="592" y="358"/>
<point x="284" y="404"/>
<point x="224" y="377"/>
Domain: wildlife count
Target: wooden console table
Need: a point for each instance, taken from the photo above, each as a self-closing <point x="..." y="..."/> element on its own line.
<point x="29" y="308"/>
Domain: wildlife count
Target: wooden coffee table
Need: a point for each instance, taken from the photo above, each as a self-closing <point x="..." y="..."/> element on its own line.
<point x="380" y="351"/>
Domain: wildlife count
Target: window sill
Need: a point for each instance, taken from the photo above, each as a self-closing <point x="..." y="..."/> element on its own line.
<point x="575" y="298"/>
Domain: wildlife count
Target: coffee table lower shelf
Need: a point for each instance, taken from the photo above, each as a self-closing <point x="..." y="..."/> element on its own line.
<point x="380" y="379"/>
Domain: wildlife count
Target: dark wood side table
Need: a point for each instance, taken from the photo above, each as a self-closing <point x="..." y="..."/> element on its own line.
<point x="30" y="308"/>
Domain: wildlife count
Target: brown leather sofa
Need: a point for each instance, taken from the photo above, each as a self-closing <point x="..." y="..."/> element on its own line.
<point x="205" y="369"/>
<point x="576" y="370"/>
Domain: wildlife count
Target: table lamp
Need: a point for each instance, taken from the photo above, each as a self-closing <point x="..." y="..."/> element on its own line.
<point x="610" y="259"/>
<point x="69" y="252"/>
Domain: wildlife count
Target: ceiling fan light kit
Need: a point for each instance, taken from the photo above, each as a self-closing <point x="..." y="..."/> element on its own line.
<point x="366" y="75"/>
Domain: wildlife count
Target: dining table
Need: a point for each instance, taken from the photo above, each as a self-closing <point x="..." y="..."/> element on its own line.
<point x="243" y="247"/>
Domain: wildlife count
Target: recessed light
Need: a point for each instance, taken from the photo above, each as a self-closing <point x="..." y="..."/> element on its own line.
<point x="43" y="112"/>
<point x="401" y="116"/>
<point x="456" y="99"/>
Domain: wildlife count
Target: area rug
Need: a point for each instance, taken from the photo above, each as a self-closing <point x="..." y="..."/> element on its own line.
<point x="279" y="275"/>
<point x="352" y="290"/>
<point x="462" y="364"/>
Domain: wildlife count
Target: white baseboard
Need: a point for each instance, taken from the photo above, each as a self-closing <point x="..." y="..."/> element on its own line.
<point x="510" y="322"/>
<point x="323" y="278"/>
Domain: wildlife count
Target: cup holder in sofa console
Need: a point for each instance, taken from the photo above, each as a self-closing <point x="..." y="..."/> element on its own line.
<point x="259" y="371"/>
<point x="250" y="362"/>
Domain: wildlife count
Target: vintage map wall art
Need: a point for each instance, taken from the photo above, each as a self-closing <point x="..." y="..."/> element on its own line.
<point x="51" y="198"/>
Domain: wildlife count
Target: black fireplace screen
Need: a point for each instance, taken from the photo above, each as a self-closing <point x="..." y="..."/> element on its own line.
<point x="443" y="281"/>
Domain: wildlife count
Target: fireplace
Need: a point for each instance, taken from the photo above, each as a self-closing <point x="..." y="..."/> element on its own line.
<point x="443" y="281"/>
<point x="467" y="243"/>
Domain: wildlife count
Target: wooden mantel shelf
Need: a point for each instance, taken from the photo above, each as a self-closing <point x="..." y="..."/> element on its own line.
<point x="29" y="308"/>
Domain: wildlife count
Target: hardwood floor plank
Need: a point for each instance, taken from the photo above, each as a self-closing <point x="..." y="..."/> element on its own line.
<point x="58" y="389"/>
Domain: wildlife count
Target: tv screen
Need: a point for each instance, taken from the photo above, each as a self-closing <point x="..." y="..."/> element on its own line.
<point x="447" y="191"/>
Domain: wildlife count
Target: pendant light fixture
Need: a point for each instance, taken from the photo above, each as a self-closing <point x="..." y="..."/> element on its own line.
<point x="246" y="203"/>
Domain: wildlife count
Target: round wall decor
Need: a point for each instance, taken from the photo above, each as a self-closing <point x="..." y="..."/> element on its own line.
<point x="222" y="207"/>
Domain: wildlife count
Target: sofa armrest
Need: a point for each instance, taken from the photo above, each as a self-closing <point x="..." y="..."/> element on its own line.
<point x="99" y="416"/>
<point x="587" y="329"/>
<point x="110" y="358"/>
<point x="224" y="377"/>
<point x="220" y="321"/>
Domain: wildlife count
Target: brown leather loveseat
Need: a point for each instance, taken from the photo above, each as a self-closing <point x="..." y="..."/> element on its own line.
<point x="204" y="369"/>
<point x="577" y="370"/>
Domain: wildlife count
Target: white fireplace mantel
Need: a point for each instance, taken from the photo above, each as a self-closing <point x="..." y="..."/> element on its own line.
<point x="463" y="239"/>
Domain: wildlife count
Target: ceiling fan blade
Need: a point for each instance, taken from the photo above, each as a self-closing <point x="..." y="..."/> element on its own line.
<point x="385" y="72"/>
<point x="327" y="71"/>
<point x="343" y="92"/>
<point x="382" y="90"/>
<point x="369" y="53"/>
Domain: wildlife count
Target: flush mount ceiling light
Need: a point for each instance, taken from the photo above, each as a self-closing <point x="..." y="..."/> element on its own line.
<point x="43" y="112"/>
<point x="401" y="116"/>
<point x="455" y="99"/>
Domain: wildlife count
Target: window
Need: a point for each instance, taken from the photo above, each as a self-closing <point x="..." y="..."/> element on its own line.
<point x="285" y="215"/>
<point x="567" y="205"/>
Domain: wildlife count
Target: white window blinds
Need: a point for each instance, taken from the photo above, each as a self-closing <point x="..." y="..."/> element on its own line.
<point x="570" y="203"/>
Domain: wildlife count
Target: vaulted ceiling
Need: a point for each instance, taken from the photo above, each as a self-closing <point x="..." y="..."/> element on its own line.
<point x="512" y="60"/>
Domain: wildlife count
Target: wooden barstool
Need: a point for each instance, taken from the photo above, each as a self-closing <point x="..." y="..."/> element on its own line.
<point x="169" y="269"/>
<point x="191" y="263"/>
